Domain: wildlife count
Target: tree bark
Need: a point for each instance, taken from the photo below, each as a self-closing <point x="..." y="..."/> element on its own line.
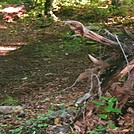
<point x="48" y="7"/>
<point x="117" y="2"/>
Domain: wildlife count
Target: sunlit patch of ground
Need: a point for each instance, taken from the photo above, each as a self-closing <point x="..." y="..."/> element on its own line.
<point x="4" y="50"/>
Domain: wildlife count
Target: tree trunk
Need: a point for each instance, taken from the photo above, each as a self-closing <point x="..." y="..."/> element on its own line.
<point x="48" y="7"/>
<point x="117" y="2"/>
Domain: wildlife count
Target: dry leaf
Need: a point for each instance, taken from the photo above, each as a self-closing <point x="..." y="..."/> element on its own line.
<point x="56" y="121"/>
<point x="116" y="89"/>
<point x="129" y="83"/>
<point x="90" y="109"/>
<point x="84" y="75"/>
<point x="126" y="69"/>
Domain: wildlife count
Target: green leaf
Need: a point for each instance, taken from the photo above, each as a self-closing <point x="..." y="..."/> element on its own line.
<point x="74" y="132"/>
<point x="102" y="116"/>
<point x="40" y="115"/>
<point x="101" y="128"/>
<point x="113" y="99"/>
<point x="110" y="104"/>
<point x="104" y="98"/>
<point x="3" y="125"/>
<point x="123" y="78"/>
<point x="116" y="110"/>
<point x="50" y="111"/>
<point x="17" y="130"/>
<point x="42" y="125"/>
<point x="99" y="103"/>
<point x="108" y="109"/>
<point x="63" y="107"/>
<point x="112" y="126"/>
<point x="43" y="118"/>
<point x="94" y="132"/>
<point x="19" y="118"/>
<point x="111" y="109"/>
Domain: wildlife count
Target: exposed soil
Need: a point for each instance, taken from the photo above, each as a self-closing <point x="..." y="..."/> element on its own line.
<point x="32" y="73"/>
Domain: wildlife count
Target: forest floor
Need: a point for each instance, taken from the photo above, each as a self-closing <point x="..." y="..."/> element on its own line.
<point x="47" y="59"/>
<point x="41" y="61"/>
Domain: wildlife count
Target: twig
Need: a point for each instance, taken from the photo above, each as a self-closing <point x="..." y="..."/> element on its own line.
<point x="99" y="84"/>
<point x="125" y="56"/>
<point x="120" y="45"/>
<point x="109" y="34"/>
<point x="71" y="85"/>
<point x="2" y="130"/>
<point x="91" y="85"/>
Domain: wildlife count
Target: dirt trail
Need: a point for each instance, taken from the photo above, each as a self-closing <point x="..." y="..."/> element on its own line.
<point x="30" y="71"/>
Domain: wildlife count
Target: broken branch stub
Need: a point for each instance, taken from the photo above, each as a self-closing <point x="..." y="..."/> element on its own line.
<point x="99" y="63"/>
<point x="92" y="74"/>
<point x="78" y="27"/>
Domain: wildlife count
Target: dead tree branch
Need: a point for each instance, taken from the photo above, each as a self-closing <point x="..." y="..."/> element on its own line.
<point x="80" y="30"/>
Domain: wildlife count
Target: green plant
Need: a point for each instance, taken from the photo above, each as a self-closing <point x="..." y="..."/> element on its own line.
<point x="9" y="100"/>
<point x="94" y="132"/>
<point x="38" y="123"/>
<point x="74" y="132"/>
<point x="16" y="130"/>
<point x="101" y="129"/>
<point x="107" y="106"/>
<point x="33" y="125"/>
<point x="119" y="11"/>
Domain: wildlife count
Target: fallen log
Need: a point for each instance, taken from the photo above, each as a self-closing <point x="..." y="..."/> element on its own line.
<point x="81" y="30"/>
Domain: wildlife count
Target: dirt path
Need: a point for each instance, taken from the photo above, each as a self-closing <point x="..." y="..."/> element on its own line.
<point x="40" y="67"/>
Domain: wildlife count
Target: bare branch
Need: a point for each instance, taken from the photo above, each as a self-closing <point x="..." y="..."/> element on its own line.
<point x="99" y="84"/>
<point x="71" y="86"/>
<point x="125" y="56"/>
<point x="81" y="30"/>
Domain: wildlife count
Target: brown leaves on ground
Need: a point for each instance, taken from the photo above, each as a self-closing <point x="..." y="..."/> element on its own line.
<point x="127" y="88"/>
<point x="127" y="69"/>
<point x="124" y="91"/>
<point x="84" y="75"/>
<point x="127" y="121"/>
<point x="13" y="13"/>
